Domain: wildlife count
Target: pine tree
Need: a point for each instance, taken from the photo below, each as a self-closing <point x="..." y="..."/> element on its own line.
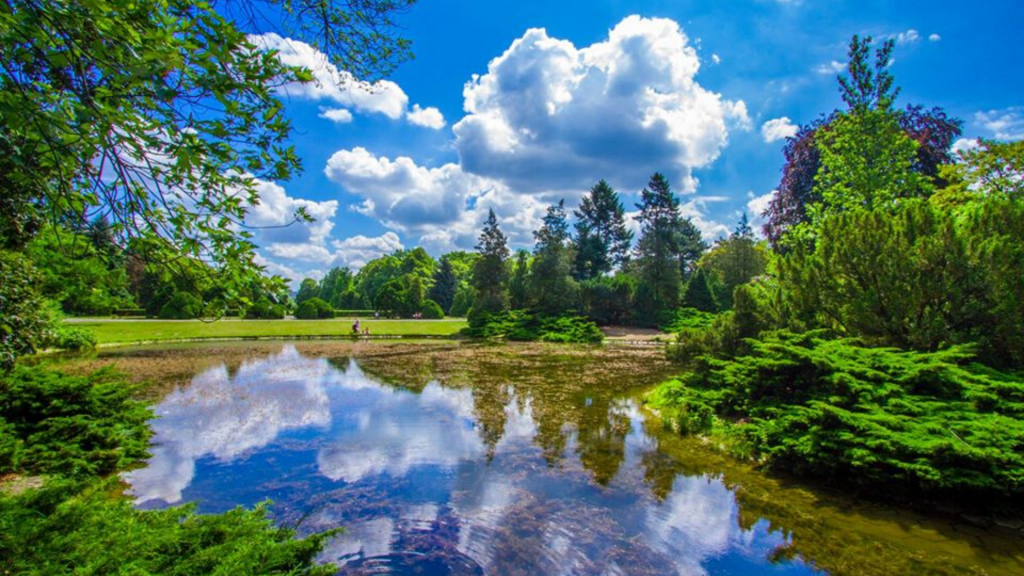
<point x="602" y="239"/>
<point x="446" y="284"/>
<point x="489" y="271"/>
<point x="698" y="293"/>
<point x="552" y="288"/>
<point x="657" y="251"/>
<point x="743" y="229"/>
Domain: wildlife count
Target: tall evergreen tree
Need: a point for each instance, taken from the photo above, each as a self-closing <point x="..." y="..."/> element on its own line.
<point x="489" y="270"/>
<point x="658" y="251"/>
<point x="691" y="247"/>
<point x="743" y="229"/>
<point x="446" y="284"/>
<point x="552" y="288"/>
<point x="698" y="293"/>
<point x="602" y="239"/>
<point x="518" y="288"/>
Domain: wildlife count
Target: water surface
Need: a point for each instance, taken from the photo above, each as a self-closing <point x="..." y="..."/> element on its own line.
<point x="486" y="461"/>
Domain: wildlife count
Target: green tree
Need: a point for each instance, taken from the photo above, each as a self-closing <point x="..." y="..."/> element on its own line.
<point x="552" y="288"/>
<point x="334" y="285"/>
<point x="698" y="293"/>
<point x="489" y="271"/>
<point x="658" y="250"/>
<point x="734" y="261"/>
<point x="390" y="298"/>
<point x="602" y="240"/>
<point x="446" y="284"/>
<point x="22" y="326"/>
<point x="518" y="286"/>
<point x="308" y="289"/>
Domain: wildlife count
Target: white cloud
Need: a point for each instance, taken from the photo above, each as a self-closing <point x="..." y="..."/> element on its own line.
<point x="550" y="116"/>
<point x="964" y="144"/>
<point x="330" y="83"/>
<point x="833" y="67"/>
<point x="273" y="218"/>
<point x="778" y="129"/>
<point x="443" y="206"/>
<point x="756" y="206"/>
<point x="429" y="117"/>
<point x="909" y="37"/>
<point x="710" y="230"/>
<point x="339" y="115"/>
<point x="716" y="59"/>
<point x="356" y="251"/>
<point x="934" y="38"/>
<point x="1005" y="124"/>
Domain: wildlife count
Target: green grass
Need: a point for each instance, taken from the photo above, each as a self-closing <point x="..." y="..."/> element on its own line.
<point x="126" y="331"/>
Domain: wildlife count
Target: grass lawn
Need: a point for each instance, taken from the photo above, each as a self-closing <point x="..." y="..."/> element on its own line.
<point x="109" y="331"/>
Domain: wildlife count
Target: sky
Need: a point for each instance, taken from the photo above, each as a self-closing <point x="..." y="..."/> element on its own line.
<point x="513" y="106"/>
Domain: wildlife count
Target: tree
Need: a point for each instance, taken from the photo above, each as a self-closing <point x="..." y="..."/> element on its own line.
<point x="698" y="293"/>
<point x="489" y="271"/>
<point x="602" y="240"/>
<point x="308" y="289"/>
<point x="657" y="252"/>
<point x="867" y="88"/>
<point x="552" y="288"/>
<point x="518" y="287"/>
<point x="743" y="229"/>
<point x="22" y="326"/>
<point x="334" y="285"/>
<point x="390" y="298"/>
<point x="446" y="284"/>
<point x="733" y="262"/>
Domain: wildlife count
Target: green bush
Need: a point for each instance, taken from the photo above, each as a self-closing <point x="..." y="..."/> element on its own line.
<point x="687" y="318"/>
<point x="181" y="306"/>
<point x="432" y="310"/>
<point x="73" y="425"/>
<point x="24" y="322"/>
<point x="524" y="326"/>
<point x="314" y="308"/>
<point x="910" y="422"/>
<point x="608" y="300"/>
<point x="73" y="338"/>
<point x="264" y="309"/>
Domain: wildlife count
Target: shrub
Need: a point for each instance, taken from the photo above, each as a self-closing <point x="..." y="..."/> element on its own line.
<point x="523" y="326"/>
<point x="23" y="321"/>
<point x="463" y="303"/>
<point x="313" y="309"/>
<point x="73" y="338"/>
<point x="909" y="421"/>
<point x="687" y="318"/>
<point x="432" y="310"/>
<point x="74" y="426"/>
<point x="608" y="300"/>
<point x="182" y="306"/>
<point x="264" y="309"/>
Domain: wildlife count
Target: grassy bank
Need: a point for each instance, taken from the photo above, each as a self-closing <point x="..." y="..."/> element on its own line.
<point x="127" y="331"/>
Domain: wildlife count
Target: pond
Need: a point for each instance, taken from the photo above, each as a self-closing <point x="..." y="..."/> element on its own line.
<point x="532" y="460"/>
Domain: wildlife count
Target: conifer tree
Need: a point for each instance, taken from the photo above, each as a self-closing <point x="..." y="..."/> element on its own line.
<point x="698" y="293"/>
<point x="602" y="239"/>
<point x="657" y="251"/>
<point x="552" y="288"/>
<point x="489" y="272"/>
<point x="518" y="289"/>
<point x="446" y="284"/>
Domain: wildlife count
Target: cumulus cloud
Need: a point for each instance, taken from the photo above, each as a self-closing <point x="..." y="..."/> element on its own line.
<point x="330" y="83"/>
<point x="756" y="206"/>
<point x="964" y="144"/>
<point x="778" y="129"/>
<point x="443" y="206"/>
<point x="833" y="67"/>
<point x="934" y="38"/>
<point x="339" y="115"/>
<point x="1005" y="124"/>
<point x="550" y="116"/>
<point x="429" y="117"/>
<point x="273" y="218"/>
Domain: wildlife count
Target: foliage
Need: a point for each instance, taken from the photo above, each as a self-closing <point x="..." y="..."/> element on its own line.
<point x="182" y="306"/>
<point x="733" y="261"/>
<point x="602" y="240"/>
<point x="489" y="274"/>
<point x="922" y="278"/>
<point x="869" y="91"/>
<point x="608" y="300"/>
<point x="431" y="310"/>
<point x="78" y="429"/>
<point x="991" y="168"/>
<point x="698" y="293"/>
<point x="463" y="302"/>
<point x="919" y="422"/>
<point x="264" y="309"/>
<point x="688" y="318"/>
<point x="162" y="115"/>
<point x="60" y="529"/>
<point x="446" y="284"/>
<point x="314" y="308"/>
<point x="23" y="321"/>
<point x="518" y="283"/>
<point x="308" y="290"/>
<point x="552" y="289"/>
<point x="659" y="254"/>
<point x="73" y="426"/>
<point x="524" y="326"/>
<point x="72" y="338"/>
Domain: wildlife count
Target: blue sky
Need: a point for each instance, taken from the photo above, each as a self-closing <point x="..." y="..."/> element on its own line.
<point x="512" y="106"/>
